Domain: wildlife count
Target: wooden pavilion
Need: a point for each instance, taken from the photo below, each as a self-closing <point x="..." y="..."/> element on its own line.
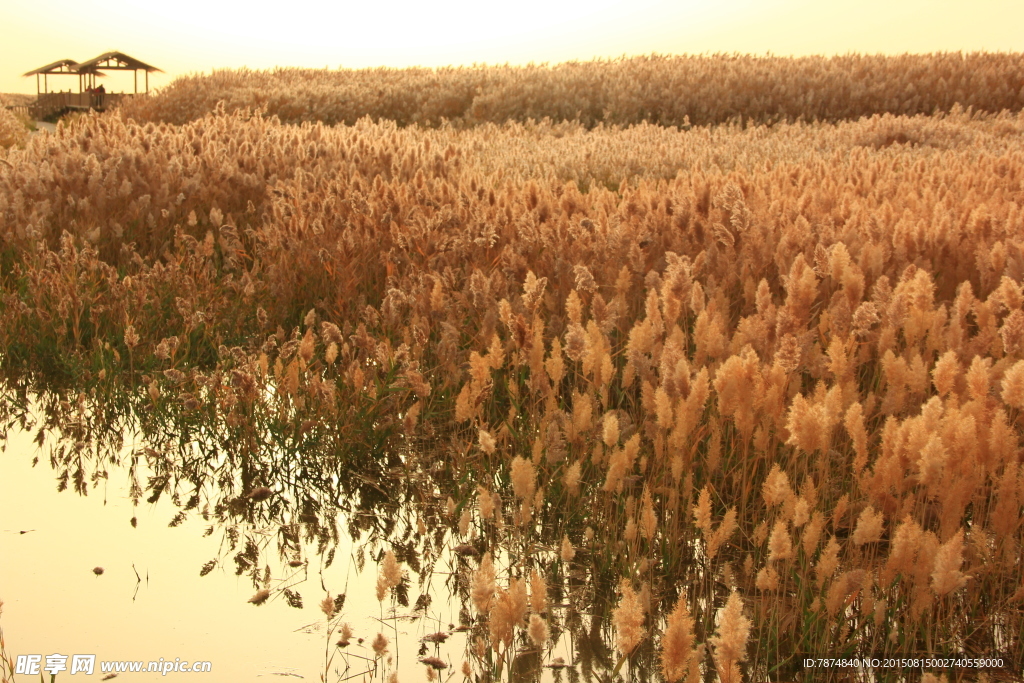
<point x="116" y="61"/>
<point x="64" y="67"/>
<point x="49" y="104"/>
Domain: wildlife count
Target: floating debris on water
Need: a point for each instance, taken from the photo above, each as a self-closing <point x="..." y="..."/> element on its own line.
<point x="466" y="550"/>
<point x="259" y="494"/>
<point x="434" y="662"/>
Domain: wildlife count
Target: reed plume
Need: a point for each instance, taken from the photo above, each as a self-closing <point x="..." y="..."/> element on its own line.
<point x="628" y="620"/>
<point x="730" y="640"/>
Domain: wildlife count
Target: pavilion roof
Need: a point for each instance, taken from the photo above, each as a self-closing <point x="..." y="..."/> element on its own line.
<point x="114" y="60"/>
<point x="104" y="62"/>
<point x="64" y="66"/>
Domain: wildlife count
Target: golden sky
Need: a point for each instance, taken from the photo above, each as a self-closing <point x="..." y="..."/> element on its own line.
<point x="186" y="36"/>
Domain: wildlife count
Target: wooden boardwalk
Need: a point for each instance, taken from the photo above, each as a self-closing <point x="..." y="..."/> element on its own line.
<point x="19" y="109"/>
<point x="53" y="104"/>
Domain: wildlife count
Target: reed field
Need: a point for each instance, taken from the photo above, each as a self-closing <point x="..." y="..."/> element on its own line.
<point x="666" y="90"/>
<point x="704" y="395"/>
<point x="13" y="130"/>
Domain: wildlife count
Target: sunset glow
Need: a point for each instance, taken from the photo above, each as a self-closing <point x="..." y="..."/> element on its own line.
<point x="193" y="36"/>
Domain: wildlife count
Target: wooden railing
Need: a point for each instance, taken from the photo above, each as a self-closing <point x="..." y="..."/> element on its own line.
<point x="18" y="109"/>
<point x="53" y="103"/>
<point x="47" y="105"/>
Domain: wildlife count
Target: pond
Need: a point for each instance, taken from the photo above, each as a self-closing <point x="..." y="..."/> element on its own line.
<point x="130" y="580"/>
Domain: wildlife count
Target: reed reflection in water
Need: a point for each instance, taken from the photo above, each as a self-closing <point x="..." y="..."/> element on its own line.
<point x="160" y="595"/>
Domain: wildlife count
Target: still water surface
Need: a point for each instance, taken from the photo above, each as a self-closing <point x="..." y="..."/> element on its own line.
<point x="150" y="601"/>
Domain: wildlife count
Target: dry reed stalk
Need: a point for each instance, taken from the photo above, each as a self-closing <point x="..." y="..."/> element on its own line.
<point x="483" y="585"/>
<point x="380" y="645"/>
<point x="538" y="630"/>
<point x="730" y="640"/>
<point x="538" y="593"/>
<point x="680" y="655"/>
<point x="628" y="620"/>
